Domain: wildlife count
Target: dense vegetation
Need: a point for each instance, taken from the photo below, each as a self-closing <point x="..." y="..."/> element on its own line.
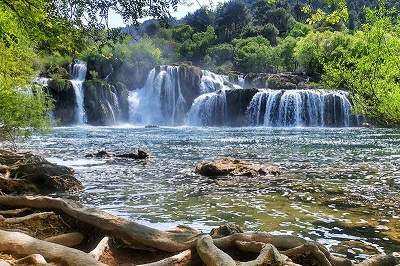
<point x="353" y="48"/>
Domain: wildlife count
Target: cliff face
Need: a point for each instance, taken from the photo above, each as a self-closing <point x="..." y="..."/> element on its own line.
<point x="63" y="93"/>
<point x="104" y="103"/>
<point x="237" y="102"/>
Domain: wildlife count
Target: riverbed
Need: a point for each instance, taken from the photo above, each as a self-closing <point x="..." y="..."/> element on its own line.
<point x="339" y="186"/>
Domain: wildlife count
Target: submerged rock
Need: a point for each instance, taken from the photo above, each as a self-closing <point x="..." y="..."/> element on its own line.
<point x="100" y="154"/>
<point x="141" y="154"/>
<point x="234" y="167"/>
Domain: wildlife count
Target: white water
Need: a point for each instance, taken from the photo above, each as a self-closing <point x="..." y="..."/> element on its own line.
<point x="208" y="110"/>
<point x="78" y="77"/>
<point x="300" y="108"/>
<point x="211" y="82"/>
<point x="160" y="101"/>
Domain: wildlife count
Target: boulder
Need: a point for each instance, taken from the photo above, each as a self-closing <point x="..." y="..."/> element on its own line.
<point x="34" y="174"/>
<point x="234" y="167"/>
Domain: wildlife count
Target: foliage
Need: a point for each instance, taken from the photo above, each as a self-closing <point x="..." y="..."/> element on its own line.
<point x="23" y="107"/>
<point x="253" y="54"/>
<point x="194" y="48"/>
<point x="221" y="53"/>
<point x="369" y="69"/>
<point x="320" y="48"/>
<point x="200" y="19"/>
<point x="231" y="18"/>
<point x="268" y="31"/>
<point x="286" y="56"/>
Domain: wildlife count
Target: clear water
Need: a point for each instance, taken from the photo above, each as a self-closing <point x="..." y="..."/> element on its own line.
<point x="337" y="184"/>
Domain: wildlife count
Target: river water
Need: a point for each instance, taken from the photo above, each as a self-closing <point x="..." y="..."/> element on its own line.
<point x="339" y="186"/>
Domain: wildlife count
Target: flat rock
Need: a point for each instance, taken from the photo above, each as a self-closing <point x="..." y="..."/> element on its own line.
<point x="234" y="167"/>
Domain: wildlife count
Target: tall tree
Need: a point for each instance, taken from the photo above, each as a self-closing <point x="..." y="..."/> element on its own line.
<point x="231" y="18"/>
<point x="370" y="68"/>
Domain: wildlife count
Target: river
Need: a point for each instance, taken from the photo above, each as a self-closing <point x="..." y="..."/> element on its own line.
<point x="337" y="184"/>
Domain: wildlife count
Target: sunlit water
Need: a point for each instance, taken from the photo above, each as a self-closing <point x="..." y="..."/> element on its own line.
<point x="336" y="184"/>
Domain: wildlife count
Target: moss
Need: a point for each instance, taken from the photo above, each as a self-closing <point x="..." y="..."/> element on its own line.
<point x="63" y="93"/>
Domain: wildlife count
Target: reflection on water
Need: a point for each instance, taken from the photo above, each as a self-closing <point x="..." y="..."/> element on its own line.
<point x="339" y="186"/>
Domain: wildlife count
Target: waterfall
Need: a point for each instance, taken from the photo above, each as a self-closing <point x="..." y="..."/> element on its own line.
<point x="300" y="108"/>
<point x="209" y="110"/>
<point x="45" y="83"/>
<point x="211" y="82"/>
<point x="78" y="77"/>
<point x="116" y="107"/>
<point x="160" y="101"/>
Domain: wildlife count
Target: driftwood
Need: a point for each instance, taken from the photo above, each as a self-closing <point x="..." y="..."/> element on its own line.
<point x="186" y="246"/>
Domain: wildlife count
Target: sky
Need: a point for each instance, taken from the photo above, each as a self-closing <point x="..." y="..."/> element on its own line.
<point x="116" y="21"/>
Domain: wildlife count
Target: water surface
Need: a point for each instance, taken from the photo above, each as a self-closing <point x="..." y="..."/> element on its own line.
<point x="337" y="184"/>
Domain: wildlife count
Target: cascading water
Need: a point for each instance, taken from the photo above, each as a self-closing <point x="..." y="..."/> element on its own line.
<point x="45" y="83"/>
<point x="209" y="110"/>
<point x="300" y="108"/>
<point x="160" y="101"/>
<point x="78" y="77"/>
<point x="211" y="82"/>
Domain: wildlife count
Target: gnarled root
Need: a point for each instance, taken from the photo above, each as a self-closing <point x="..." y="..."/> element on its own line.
<point x="25" y="245"/>
<point x="192" y="247"/>
<point x="100" y="248"/>
<point x="185" y="258"/>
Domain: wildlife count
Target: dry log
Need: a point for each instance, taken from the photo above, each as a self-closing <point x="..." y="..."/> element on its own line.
<point x="309" y="248"/>
<point x="40" y="215"/>
<point x="379" y="261"/>
<point x="279" y="241"/>
<point x="21" y="244"/>
<point x="68" y="240"/>
<point x="185" y="258"/>
<point x="210" y="254"/>
<point x="132" y="234"/>
<point x="4" y="263"/>
<point x="268" y="255"/>
<point x="14" y="212"/>
<point x="34" y="259"/>
<point x="100" y="248"/>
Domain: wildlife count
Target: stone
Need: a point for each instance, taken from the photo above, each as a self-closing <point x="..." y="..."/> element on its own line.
<point x="234" y="167"/>
<point x="100" y="154"/>
<point x="28" y="173"/>
<point x="141" y="154"/>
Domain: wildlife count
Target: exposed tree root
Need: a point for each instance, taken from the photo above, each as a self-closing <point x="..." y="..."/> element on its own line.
<point x="188" y="246"/>
<point x="68" y="240"/>
<point x="185" y="258"/>
<point x="21" y="244"/>
<point x="41" y="215"/>
<point x="100" y="248"/>
<point x="34" y="259"/>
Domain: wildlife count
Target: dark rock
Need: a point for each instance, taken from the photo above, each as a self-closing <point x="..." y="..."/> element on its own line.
<point x="234" y="167"/>
<point x="279" y="81"/>
<point x="34" y="174"/>
<point x="100" y="154"/>
<point x="62" y="91"/>
<point x="237" y="101"/>
<point x="100" y="102"/>
<point x="141" y="154"/>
